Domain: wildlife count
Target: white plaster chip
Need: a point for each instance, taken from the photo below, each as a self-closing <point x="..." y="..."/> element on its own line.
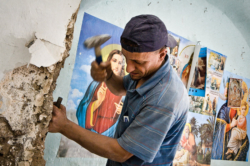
<point x="45" y="54"/>
<point x="42" y="116"/>
<point x="21" y="19"/>
<point x="39" y="100"/>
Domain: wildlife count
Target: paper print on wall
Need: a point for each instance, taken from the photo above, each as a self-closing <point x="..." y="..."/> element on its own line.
<point x="185" y="57"/>
<point x="198" y="84"/>
<point x="196" y="104"/>
<point x="91" y="104"/>
<point x="234" y="92"/>
<point x="173" y="56"/>
<point x="231" y="133"/>
<point x="196" y="142"/>
<point x="215" y="68"/>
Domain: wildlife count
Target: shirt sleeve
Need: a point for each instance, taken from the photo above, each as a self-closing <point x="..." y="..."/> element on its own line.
<point x="126" y="81"/>
<point x="144" y="137"/>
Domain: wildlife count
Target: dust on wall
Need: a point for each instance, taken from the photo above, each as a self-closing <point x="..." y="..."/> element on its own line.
<point x="26" y="103"/>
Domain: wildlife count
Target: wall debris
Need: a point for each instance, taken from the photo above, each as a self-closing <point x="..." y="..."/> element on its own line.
<point x="26" y="102"/>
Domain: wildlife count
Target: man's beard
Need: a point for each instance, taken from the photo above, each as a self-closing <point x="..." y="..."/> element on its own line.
<point x="135" y="79"/>
<point x="186" y="135"/>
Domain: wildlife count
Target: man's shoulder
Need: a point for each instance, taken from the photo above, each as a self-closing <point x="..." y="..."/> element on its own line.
<point x="172" y="87"/>
<point x="169" y="93"/>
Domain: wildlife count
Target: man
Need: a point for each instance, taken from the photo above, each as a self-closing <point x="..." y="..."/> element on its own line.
<point x="156" y="105"/>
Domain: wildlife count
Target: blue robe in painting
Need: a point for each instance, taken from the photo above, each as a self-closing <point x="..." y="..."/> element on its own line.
<point x="221" y="137"/>
<point x="82" y="108"/>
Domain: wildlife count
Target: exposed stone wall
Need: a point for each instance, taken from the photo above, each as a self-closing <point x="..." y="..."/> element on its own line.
<point x="26" y="103"/>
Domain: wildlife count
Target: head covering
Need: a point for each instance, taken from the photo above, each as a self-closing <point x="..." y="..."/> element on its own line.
<point x="148" y="32"/>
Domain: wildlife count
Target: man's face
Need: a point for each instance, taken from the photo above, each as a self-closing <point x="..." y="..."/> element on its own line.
<point x="116" y="64"/>
<point x="243" y="110"/>
<point x="143" y="65"/>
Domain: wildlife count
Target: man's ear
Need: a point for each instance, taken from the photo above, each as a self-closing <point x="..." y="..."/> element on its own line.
<point x="163" y="52"/>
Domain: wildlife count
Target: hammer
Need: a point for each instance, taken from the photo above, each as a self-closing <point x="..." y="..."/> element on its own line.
<point x="96" y="42"/>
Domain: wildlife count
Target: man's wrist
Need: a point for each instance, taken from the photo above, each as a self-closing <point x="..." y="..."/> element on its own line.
<point x="65" y="127"/>
<point x="110" y="76"/>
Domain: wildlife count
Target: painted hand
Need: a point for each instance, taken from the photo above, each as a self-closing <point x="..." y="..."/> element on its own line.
<point x="118" y="107"/>
<point x="100" y="72"/>
<point x="101" y="93"/>
<point x="59" y="119"/>
<point x="234" y="123"/>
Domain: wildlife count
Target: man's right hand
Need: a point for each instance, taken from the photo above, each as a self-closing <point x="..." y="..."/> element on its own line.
<point x="100" y="72"/>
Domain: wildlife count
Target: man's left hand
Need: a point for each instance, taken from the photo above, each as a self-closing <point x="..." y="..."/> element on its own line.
<point x="59" y="119"/>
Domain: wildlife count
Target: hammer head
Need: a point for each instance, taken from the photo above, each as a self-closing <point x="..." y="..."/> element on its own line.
<point x="96" y="41"/>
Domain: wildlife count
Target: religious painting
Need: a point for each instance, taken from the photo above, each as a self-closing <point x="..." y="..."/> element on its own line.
<point x="91" y="104"/>
<point x="231" y="133"/>
<point x="210" y="104"/>
<point x="216" y="61"/>
<point x="184" y="57"/>
<point x="198" y="83"/>
<point x="207" y="104"/>
<point x="215" y="67"/>
<point x="234" y="92"/>
<point x="196" y="142"/>
<point x="196" y="104"/>
<point x="173" y="56"/>
<point x="215" y="83"/>
<point x="199" y="78"/>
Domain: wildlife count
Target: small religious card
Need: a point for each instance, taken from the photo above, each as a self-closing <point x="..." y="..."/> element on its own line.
<point x="235" y="92"/>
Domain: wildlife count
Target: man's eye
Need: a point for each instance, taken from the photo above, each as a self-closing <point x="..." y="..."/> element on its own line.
<point x="139" y="62"/>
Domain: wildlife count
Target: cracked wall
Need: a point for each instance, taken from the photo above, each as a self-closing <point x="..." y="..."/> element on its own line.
<point x="201" y="20"/>
<point x="27" y="85"/>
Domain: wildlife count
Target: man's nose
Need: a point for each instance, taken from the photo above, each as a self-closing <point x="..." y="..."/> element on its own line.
<point x="130" y="66"/>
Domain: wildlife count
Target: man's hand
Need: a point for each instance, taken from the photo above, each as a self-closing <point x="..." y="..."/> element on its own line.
<point x="100" y="72"/>
<point x="59" y="119"/>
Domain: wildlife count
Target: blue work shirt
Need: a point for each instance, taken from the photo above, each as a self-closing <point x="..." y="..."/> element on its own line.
<point x="157" y="113"/>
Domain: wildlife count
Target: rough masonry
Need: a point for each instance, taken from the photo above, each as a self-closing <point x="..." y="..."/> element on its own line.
<point x="26" y="103"/>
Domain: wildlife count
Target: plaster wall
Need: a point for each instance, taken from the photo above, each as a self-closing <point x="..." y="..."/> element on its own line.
<point x="35" y="39"/>
<point x="221" y="25"/>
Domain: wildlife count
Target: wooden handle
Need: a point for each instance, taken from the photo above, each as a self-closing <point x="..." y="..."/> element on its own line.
<point x="58" y="103"/>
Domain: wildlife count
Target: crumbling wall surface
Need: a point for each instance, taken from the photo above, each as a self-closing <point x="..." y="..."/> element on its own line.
<point x="26" y="86"/>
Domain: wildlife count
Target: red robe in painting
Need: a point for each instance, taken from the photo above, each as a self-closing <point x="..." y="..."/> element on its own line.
<point x="105" y="115"/>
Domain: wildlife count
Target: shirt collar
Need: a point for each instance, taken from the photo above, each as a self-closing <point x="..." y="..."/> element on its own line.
<point x="151" y="82"/>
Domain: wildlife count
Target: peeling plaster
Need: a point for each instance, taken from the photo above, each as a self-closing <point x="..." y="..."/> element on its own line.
<point x="26" y="98"/>
<point x="22" y="20"/>
<point x="44" y="53"/>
